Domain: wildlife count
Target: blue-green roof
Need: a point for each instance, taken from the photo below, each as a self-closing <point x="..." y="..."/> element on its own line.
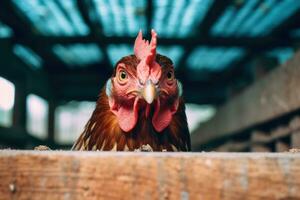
<point x="49" y="17"/>
<point x="28" y="56"/>
<point x="178" y="18"/>
<point x="281" y="54"/>
<point x="5" y="31"/>
<point x="213" y="59"/>
<point x="78" y="54"/>
<point x="254" y="17"/>
<point x="120" y="18"/>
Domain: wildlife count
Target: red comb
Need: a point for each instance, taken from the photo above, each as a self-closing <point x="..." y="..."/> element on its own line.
<point x="146" y="52"/>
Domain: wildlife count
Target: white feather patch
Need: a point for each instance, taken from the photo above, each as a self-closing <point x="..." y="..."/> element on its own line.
<point x="180" y="89"/>
<point x="108" y="88"/>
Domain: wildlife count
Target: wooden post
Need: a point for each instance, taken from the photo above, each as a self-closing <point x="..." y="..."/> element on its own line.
<point x="19" y="113"/>
<point x="51" y="120"/>
<point x="107" y="175"/>
<point x="295" y="137"/>
<point x="259" y="141"/>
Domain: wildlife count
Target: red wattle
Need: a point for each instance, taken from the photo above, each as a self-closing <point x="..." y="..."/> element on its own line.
<point x="127" y="115"/>
<point x="163" y="115"/>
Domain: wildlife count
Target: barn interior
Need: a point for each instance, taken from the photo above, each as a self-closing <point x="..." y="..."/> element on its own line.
<point x="237" y="61"/>
<point x="239" y="64"/>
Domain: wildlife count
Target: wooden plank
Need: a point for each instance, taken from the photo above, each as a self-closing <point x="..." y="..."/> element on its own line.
<point x="260" y="148"/>
<point x="260" y="137"/>
<point x="295" y="140"/>
<point x="234" y="146"/>
<point x="281" y="132"/>
<point x="214" y="13"/>
<point x="295" y="124"/>
<point x="264" y="42"/>
<point x="269" y="98"/>
<point x="259" y="140"/>
<point x="107" y="175"/>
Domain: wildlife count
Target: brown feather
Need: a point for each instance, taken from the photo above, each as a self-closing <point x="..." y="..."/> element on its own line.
<point x="102" y="132"/>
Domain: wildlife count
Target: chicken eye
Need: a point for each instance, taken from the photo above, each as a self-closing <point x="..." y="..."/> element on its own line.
<point x="170" y="75"/>
<point x="123" y="75"/>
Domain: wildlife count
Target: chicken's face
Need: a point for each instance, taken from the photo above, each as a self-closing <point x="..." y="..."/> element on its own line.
<point x="143" y="83"/>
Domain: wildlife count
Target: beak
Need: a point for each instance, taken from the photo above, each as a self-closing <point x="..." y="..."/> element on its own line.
<point x="149" y="92"/>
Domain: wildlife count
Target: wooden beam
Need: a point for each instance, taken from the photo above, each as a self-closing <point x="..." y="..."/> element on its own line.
<point x="105" y="175"/>
<point x="216" y="10"/>
<point x="289" y="23"/>
<point x="271" y="97"/>
<point x="216" y="41"/>
<point x="51" y="120"/>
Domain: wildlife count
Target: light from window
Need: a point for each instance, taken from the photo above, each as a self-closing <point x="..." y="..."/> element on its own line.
<point x="70" y="120"/>
<point x="37" y="116"/>
<point x="7" y="99"/>
<point x="197" y="114"/>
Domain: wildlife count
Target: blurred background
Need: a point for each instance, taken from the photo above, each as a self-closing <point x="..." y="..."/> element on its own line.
<point x="56" y="55"/>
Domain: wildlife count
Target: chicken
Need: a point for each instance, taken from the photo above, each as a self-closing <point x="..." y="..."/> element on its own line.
<point x="141" y="104"/>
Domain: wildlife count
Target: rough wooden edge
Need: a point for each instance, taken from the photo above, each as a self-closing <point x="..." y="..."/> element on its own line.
<point x="107" y="175"/>
<point x="274" y="95"/>
<point x="99" y="154"/>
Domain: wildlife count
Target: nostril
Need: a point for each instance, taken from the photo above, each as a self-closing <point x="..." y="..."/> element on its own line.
<point x="155" y="82"/>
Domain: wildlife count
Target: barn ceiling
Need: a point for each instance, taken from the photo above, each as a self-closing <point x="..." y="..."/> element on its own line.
<point x="212" y="43"/>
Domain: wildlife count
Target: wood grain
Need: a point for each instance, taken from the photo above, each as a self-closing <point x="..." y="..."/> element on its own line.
<point x="106" y="175"/>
